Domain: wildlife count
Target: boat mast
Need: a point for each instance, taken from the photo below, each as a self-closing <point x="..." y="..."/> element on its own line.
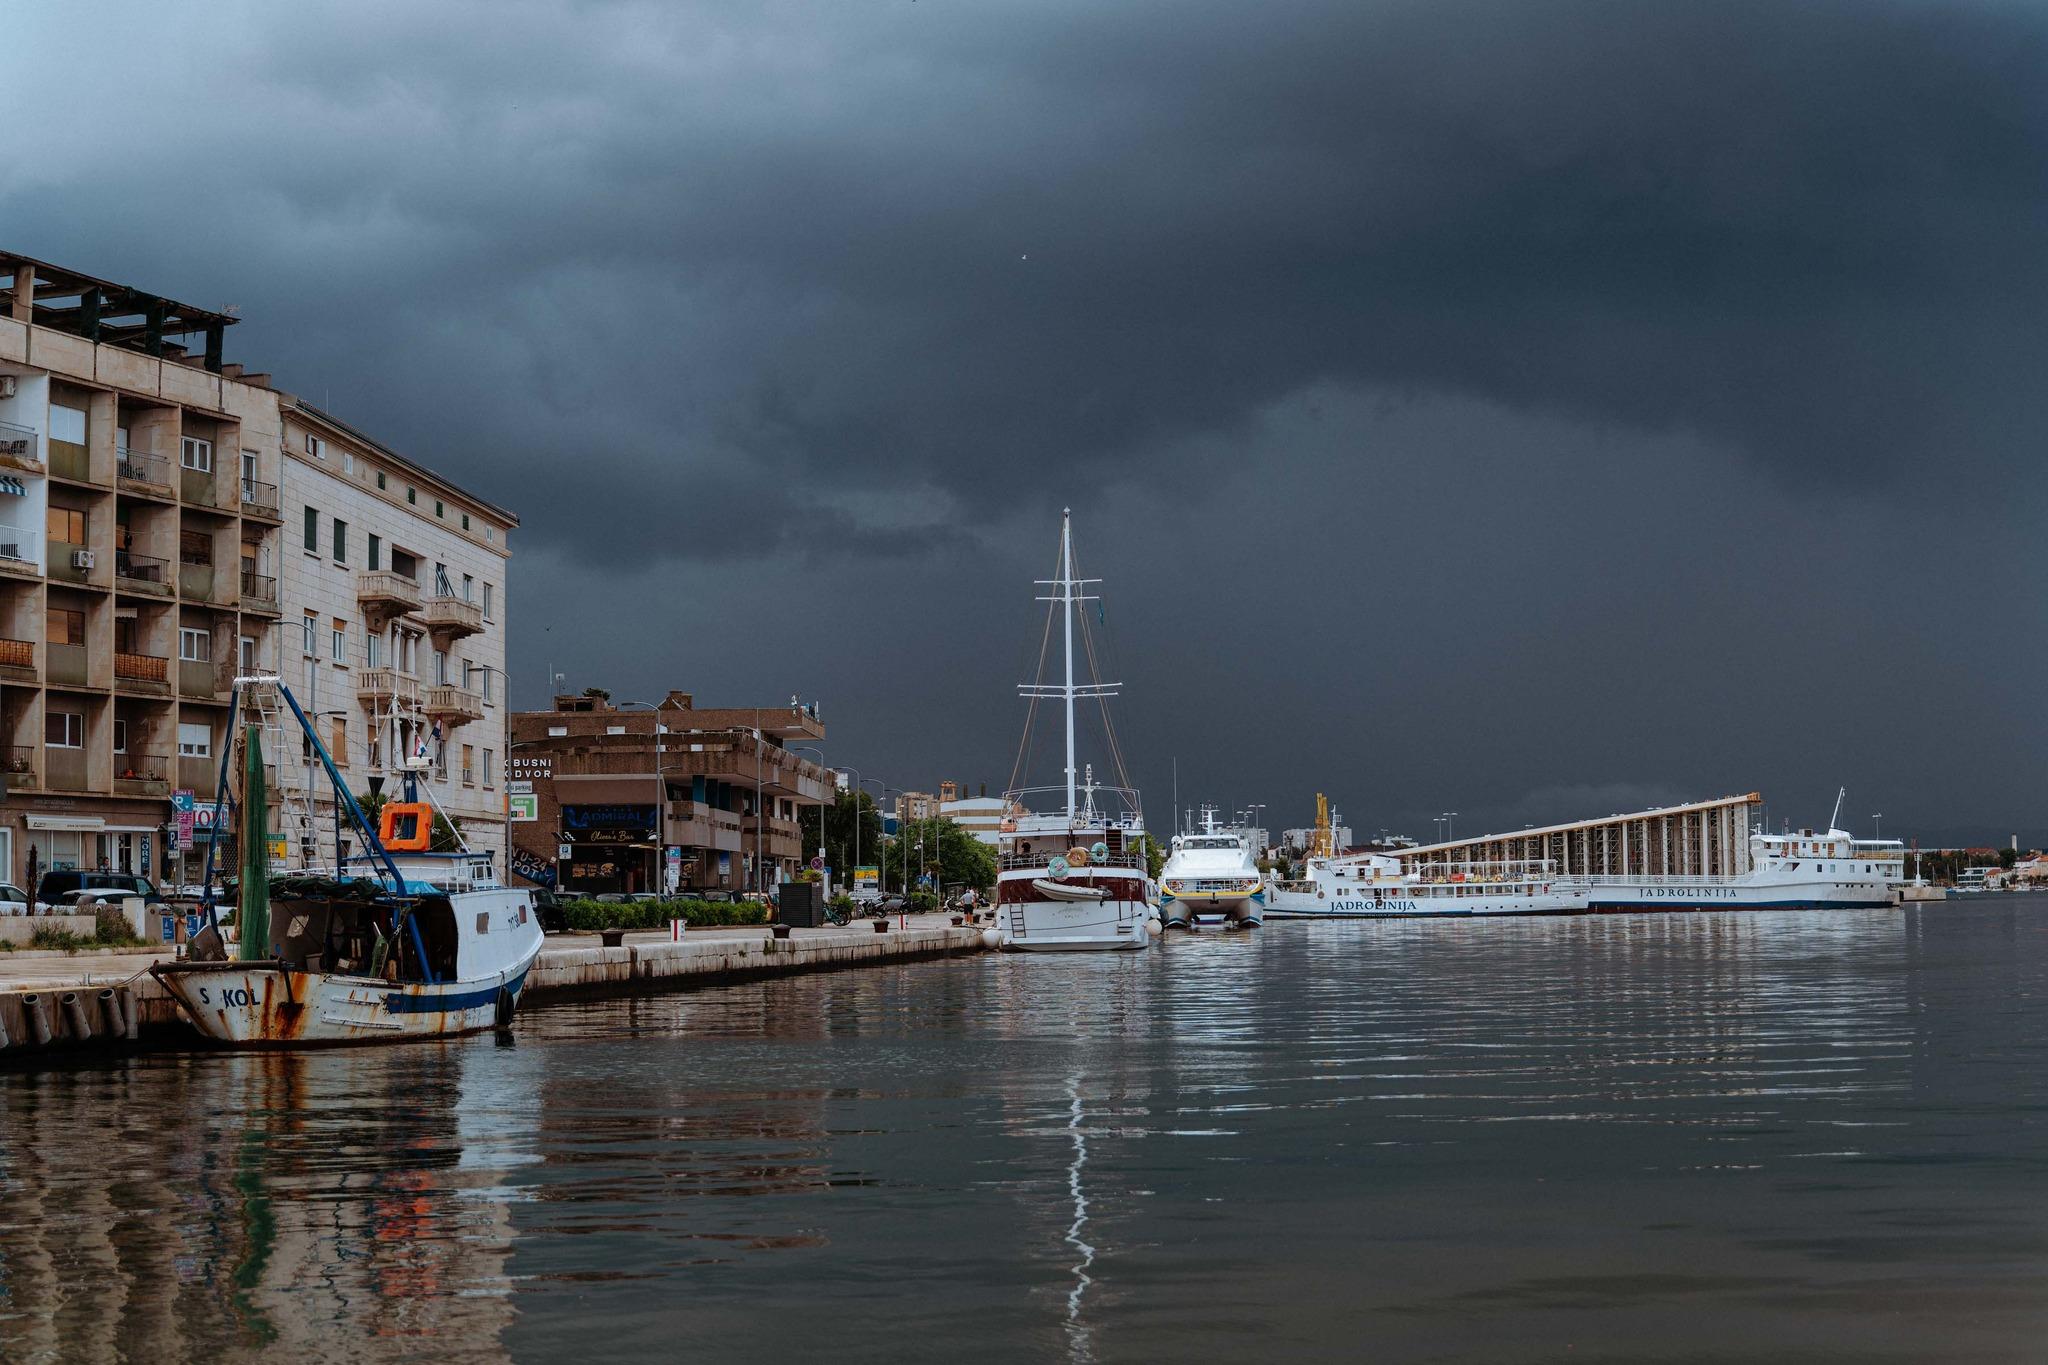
<point x="1067" y="595"/>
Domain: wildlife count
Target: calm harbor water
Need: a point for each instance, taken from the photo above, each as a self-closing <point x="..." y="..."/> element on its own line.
<point x="1770" y="1137"/>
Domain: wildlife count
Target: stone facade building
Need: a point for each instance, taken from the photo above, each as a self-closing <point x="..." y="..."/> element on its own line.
<point x="608" y="796"/>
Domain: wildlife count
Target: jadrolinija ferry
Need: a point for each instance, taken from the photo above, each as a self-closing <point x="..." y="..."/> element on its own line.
<point x="1798" y="870"/>
<point x="1075" y="879"/>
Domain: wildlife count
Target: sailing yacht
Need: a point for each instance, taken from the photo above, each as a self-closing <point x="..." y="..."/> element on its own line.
<point x="1075" y="878"/>
<point x="1212" y="880"/>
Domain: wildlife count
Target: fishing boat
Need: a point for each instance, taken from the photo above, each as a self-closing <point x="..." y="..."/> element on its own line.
<point x="1212" y="879"/>
<point x="1075" y="878"/>
<point x="394" y="943"/>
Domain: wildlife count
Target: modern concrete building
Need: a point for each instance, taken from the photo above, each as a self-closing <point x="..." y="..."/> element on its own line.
<point x="139" y="538"/>
<point x="395" y="620"/>
<point x="607" y="796"/>
<point x="981" y="816"/>
<point x="167" y="522"/>
<point x="1700" y="837"/>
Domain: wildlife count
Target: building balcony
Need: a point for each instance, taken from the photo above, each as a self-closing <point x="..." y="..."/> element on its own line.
<point x="260" y="499"/>
<point x="201" y="775"/>
<point x="453" y="704"/>
<point x="199" y="583"/>
<point x="21" y="551"/>
<point x="380" y="689"/>
<point x="198" y="681"/>
<point x="18" y="660"/>
<point x="450" y="619"/>
<point x="384" y="596"/>
<point x="20" y="449"/>
<point x="198" y="488"/>
<point x="259" y="591"/>
<point x="67" y="664"/>
<point x="141" y="471"/>
<point x="18" y="765"/>
<point x="142" y="775"/>
<point x="68" y="460"/>
<point x="72" y="563"/>
<point x="64" y="770"/>
<point x="141" y="573"/>
<point x="142" y="673"/>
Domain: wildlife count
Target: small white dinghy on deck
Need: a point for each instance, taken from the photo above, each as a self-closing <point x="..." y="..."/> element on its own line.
<point x="396" y="943"/>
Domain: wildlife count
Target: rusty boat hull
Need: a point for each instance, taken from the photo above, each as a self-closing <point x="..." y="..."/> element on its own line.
<point x="271" y="1005"/>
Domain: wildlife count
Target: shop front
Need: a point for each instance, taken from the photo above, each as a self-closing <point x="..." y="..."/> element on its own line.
<point x="611" y="849"/>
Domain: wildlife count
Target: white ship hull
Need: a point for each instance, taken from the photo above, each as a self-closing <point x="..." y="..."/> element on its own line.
<point x="1077" y="926"/>
<point x="1761" y="890"/>
<point x="1396" y="904"/>
<point x="253" y="1004"/>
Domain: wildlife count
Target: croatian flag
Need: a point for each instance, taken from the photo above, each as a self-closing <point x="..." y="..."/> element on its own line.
<point x="427" y="741"/>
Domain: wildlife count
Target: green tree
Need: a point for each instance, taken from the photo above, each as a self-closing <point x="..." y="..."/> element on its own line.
<point x="960" y="858"/>
<point x="1155" y="856"/>
<point x="849" y="812"/>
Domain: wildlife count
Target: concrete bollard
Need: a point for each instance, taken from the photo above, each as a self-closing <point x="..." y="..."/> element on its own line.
<point x="38" y="1022"/>
<point x="5" y="1041"/>
<point x="74" y="1015"/>
<point x="110" y="1006"/>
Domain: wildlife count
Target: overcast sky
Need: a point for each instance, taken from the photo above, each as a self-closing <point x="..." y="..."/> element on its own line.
<point x="1526" y="409"/>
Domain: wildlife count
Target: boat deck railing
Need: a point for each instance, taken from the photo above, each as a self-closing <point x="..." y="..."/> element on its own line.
<point x="1017" y="862"/>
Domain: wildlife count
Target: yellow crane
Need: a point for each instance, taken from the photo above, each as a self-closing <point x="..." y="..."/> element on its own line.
<point x="1323" y="844"/>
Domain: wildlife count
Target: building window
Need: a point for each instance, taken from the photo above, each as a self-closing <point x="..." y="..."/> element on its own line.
<point x="64" y="729"/>
<point x="375" y="559"/>
<point x="194" y="741"/>
<point x="409" y="654"/>
<point x="195" y="646"/>
<point x="487" y="603"/>
<point x="196" y="454"/>
<point x="348" y="462"/>
<point x="465" y="521"/>
<point x="337" y="641"/>
<point x="67" y="424"/>
<point x="412" y="495"/>
<point x="468" y="588"/>
<point x="312" y="634"/>
<point x="312" y="531"/>
<point x="66" y="627"/>
<point x="490" y="769"/>
<point x="120" y="736"/>
<point x="340" y="541"/>
<point x="375" y="743"/>
<point x="339" y="745"/>
<point x="615" y="729"/>
<point x="248" y="471"/>
<point x="469" y="765"/>
<point x="439" y="510"/>
<point x="195" y="547"/>
<point x="558" y="732"/>
<point x="441" y="586"/>
<point x="248" y="655"/>
<point x="380" y="478"/>
<point x="67" y="524"/>
<point x="373" y="650"/>
<point x="441" y="667"/>
<point x="485" y="673"/>
<point x="316" y="447"/>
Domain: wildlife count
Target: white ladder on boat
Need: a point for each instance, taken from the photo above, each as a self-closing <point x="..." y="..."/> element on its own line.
<point x="284" y="767"/>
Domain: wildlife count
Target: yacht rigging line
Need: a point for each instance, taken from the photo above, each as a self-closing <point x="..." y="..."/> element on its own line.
<point x="1031" y="711"/>
<point x="1116" y="752"/>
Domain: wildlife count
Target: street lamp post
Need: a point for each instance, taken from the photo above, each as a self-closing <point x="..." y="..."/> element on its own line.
<point x="882" y="860"/>
<point x="810" y="749"/>
<point x="1450" y="825"/>
<point x="660" y="796"/>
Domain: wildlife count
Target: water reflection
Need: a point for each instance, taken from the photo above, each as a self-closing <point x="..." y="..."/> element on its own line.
<point x="1756" y="1135"/>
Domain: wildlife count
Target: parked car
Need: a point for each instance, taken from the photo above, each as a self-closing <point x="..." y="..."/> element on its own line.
<point x="547" y="908"/>
<point x="611" y="898"/>
<point x="718" y="897"/>
<point x="62" y="888"/>
<point x="646" y="898"/>
<point x="13" y="900"/>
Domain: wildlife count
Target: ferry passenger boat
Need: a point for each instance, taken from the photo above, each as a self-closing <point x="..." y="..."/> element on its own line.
<point x="1378" y="886"/>
<point x="1212" y="880"/>
<point x="396" y="943"/>
<point x="1801" y="870"/>
<point x="1076" y="878"/>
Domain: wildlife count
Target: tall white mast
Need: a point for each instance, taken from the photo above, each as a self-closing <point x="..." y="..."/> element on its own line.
<point x="1067" y="593"/>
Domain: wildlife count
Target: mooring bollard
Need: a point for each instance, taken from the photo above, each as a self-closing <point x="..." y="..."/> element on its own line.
<point x="74" y="1015"/>
<point x="612" y="938"/>
<point x="881" y="926"/>
<point x="38" y="1022"/>
<point x="779" y="930"/>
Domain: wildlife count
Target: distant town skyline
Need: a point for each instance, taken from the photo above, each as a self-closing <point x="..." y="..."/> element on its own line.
<point x="1532" y="410"/>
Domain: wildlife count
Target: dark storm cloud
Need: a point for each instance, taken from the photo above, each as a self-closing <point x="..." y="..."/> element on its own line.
<point x="1579" y="331"/>
<point x="781" y="256"/>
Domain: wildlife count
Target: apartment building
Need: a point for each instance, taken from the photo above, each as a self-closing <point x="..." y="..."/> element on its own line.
<point x="393" y="582"/>
<point x="612" y="797"/>
<point x="168" y="521"/>
<point x="140" y="527"/>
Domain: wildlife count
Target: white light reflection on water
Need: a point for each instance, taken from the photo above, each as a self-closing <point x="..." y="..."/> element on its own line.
<point x="1078" y="1345"/>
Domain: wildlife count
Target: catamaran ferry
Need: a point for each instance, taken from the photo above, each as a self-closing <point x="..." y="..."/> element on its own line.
<point x="1212" y="880"/>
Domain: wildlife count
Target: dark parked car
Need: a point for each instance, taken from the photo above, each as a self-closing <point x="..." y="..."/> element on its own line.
<point x="547" y="908"/>
<point x="62" y="888"/>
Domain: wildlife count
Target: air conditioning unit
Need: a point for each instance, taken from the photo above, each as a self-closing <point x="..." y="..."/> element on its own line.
<point x="81" y="559"/>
